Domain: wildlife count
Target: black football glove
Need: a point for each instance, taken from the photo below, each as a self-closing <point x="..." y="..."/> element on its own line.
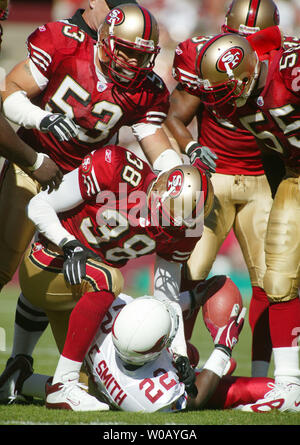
<point x="186" y="375"/>
<point x="202" y="157"/>
<point x="76" y="256"/>
<point x="62" y="127"/>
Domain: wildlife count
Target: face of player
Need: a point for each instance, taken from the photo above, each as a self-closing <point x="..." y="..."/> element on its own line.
<point x="128" y="57"/>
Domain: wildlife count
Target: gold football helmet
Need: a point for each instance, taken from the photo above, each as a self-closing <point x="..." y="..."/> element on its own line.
<point x="128" y="44"/>
<point x="228" y="68"/>
<point x="249" y="16"/>
<point x="180" y="198"/>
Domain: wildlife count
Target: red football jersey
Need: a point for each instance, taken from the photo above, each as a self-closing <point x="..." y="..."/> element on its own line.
<point x="114" y="219"/>
<point x="273" y="113"/>
<point x="65" y="55"/>
<point x="237" y="150"/>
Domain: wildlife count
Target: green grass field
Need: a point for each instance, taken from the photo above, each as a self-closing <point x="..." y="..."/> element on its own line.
<point x="45" y="359"/>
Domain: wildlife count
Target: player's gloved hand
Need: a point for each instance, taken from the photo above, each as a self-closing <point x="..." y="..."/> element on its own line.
<point x="62" y="127"/>
<point x="226" y="337"/>
<point x="76" y="256"/>
<point x="186" y="375"/>
<point x="201" y="156"/>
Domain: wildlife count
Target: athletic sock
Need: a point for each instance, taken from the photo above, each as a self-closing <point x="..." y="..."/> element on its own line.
<point x="84" y="322"/>
<point x="30" y="323"/>
<point x="261" y="340"/>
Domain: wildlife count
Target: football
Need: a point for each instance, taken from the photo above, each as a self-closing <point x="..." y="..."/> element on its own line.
<point x="219" y="300"/>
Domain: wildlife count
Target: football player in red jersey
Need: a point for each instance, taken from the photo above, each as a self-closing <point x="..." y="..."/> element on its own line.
<point x="111" y="209"/>
<point x="242" y="193"/>
<point x="77" y="107"/>
<point x="263" y="97"/>
<point x="12" y="148"/>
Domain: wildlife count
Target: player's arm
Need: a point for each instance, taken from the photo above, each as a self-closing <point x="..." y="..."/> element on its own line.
<point x="37" y="165"/>
<point x="23" y="83"/>
<point x="157" y="147"/>
<point x="183" y="108"/>
<point x="42" y="210"/>
<point x="225" y="339"/>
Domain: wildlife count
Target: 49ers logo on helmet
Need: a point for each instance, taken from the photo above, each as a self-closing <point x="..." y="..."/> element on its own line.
<point x="175" y="183"/>
<point x="230" y="59"/>
<point x="116" y="16"/>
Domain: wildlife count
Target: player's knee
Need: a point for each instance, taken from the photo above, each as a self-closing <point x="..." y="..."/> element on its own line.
<point x="280" y="288"/>
<point x="103" y="277"/>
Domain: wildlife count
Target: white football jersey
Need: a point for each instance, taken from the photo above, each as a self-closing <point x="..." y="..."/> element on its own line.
<point x="152" y="387"/>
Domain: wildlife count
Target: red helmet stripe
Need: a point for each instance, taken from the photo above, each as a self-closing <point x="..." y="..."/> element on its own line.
<point x="147" y="23"/>
<point x="252" y="13"/>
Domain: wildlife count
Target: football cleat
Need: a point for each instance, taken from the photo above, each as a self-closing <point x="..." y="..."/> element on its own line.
<point x="282" y="397"/>
<point x="72" y="395"/>
<point x="17" y="370"/>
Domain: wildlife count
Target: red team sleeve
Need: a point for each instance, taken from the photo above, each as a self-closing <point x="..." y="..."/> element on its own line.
<point x="96" y="172"/>
<point x="184" y="66"/>
<point x="266" y="40"/>
<point x="41" y="49"/>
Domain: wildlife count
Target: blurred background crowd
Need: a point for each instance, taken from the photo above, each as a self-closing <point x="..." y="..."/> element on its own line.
<point x="179" y="20"/>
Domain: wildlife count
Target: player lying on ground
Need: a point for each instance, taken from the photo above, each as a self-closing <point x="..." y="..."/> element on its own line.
<point x="131" y="367"/>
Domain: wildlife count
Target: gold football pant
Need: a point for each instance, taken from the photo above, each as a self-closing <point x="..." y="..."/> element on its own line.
<point x="43" y="285"/>
<point x="242" y="203"/>
<point x="282" y="279"/>
<point x="16" y="230"/>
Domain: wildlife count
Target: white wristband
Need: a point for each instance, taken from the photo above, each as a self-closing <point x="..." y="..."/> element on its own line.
<point x="39" y="160"/>
<point x="189" y="145"/>
<point x="217" y="362"/>
<point x="167" y="160"/>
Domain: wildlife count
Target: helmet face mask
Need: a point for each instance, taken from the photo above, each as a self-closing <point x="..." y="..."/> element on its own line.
<point x="128" y="45"/>
<point x="143" y="329"/>
<point x="228" y="70"/>
<point x="246" y="17"/>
